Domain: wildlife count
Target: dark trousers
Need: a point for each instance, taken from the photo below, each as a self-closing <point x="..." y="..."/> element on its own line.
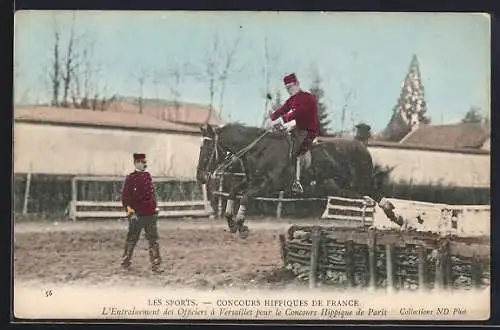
<point x="301" y="141"/>
<point x="135" y="226"/>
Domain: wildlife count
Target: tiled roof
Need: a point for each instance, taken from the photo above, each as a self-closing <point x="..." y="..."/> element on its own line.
<point x="458" y="136"/>
<point x="97" y="118"/>
<point x="184" y="113"/>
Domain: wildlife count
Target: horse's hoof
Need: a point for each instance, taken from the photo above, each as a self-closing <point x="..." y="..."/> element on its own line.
<point x="297" y="188"/>
<point x="244" y="231"/>
<point x="233" y="229"/>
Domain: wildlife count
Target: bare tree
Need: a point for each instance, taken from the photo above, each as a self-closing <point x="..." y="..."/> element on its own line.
<point x="55" y="73"/>
<point x="142" y="75"/>
<point x="211" y="72"/>
<point x="69" y="64"/>
<point x="86" y="90"/>
<point x="346" y="103"/>
<point x="226" y="70"/>
<point x="270" y="62"/>
<point x="217" y="68"/>
<point x="173" y="78"/>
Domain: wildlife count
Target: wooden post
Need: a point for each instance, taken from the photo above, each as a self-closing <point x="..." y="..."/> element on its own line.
<point x="475" y="272"/>
<point x="220" y="212"/>
<point x="315" y="238"/>
<point x="27" y="193"/>
<point x="389" y="263"/>
<point x="438" y="282"/>
<point x="208" y="208"/>
<point x="280" y="205"/>
<point x="448" y="278"/>
<point x="371" y="260"/>
<point x="283" y="248"/>
<point x="74" y="195"/>
<point x="349" y="261"/>
<point x="364" y="214"/>
<point x="422" y="263"/>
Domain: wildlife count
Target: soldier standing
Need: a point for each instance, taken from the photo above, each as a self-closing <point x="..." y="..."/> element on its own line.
<point x="139" y="199"/>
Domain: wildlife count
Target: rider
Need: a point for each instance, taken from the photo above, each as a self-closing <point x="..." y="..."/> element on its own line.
<point x="303" y="108"/>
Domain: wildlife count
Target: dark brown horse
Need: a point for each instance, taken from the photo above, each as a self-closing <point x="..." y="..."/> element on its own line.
<point x="339" y="167"/>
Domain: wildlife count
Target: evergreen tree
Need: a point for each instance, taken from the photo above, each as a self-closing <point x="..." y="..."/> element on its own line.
<point x="318" y="92"/>
<point x="473" y="116"/>
<point x="411" y="100"/>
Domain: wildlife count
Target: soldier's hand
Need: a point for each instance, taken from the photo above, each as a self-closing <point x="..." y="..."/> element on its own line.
<point x="130" y="211"/>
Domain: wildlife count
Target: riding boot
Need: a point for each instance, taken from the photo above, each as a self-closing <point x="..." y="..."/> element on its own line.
<point x="127" y="254"/>
<point x="155" y="258"/>
<point x="296" y="186"/>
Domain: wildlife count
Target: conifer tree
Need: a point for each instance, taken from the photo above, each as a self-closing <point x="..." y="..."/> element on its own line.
<point x="412" y="98"/>
<point x="318" y="92"/>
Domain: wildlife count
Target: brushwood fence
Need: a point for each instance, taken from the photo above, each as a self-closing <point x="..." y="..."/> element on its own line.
<point x="388" y="259"/>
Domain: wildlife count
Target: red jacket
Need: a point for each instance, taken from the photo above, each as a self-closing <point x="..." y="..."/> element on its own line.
<point x="303" y="107"/>
<point x="139" y="193"/>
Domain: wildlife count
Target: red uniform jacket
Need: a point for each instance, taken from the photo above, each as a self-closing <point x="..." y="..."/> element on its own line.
<point x="139" y="193"/>
<point x="303" y="107"/>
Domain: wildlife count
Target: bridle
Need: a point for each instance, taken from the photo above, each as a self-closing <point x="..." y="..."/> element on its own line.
<point x="231" y="156"/>
<point x="215" y="156"/>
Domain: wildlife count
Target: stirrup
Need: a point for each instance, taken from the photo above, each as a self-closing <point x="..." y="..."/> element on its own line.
<point x="297" y="187"/>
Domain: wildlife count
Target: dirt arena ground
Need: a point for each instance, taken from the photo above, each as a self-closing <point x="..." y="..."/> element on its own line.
<point x="199" y="254"/>
<point x="196" y="253"/>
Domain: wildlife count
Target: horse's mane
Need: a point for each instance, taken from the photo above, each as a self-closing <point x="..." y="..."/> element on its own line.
<point x="238" y="129"/>
<point x="237" y="135"/>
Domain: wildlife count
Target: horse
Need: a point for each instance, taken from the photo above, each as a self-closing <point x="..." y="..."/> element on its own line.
<point x="341" y="167"/>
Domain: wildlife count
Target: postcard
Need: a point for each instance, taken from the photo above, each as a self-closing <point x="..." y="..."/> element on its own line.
<point x="185" y="165"/>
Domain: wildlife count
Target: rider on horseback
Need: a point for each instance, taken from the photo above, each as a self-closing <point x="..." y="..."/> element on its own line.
<point x="303" y="108"/>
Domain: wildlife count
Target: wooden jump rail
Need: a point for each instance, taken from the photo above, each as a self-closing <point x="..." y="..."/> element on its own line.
<point x="114" y="209"/>
<point x="279" y="200"/>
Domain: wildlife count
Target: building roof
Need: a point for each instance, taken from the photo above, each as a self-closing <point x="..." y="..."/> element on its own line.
<point x="397" y="145"/>
<point x="183" y="112"/>
<point x="73" y="116"/>
<point x="456" y="136"/>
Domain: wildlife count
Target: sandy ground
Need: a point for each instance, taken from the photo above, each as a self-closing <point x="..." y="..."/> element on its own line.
<point x="78" y="263"/>
<point x="196" y="253"/>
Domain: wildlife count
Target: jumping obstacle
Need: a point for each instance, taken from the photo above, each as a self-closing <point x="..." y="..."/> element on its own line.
<point x="349" y="212"/>
<point x="84" y="209"/>
<point x="389" y="259"/>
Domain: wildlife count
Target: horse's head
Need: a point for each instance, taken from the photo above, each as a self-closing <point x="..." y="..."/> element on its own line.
<point x="209" y="156"/>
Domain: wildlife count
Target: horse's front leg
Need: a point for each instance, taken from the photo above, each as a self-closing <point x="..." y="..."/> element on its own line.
<point x="241" y="215"/>
<point x="229" y="212"/>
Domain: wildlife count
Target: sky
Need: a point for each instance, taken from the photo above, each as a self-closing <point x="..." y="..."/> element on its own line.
<point x="361" y="58"/>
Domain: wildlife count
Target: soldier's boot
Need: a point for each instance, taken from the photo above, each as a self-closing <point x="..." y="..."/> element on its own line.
<point x="127" y="255"/>
<point x="155" y="258"/>
<point x="296" y="185"/>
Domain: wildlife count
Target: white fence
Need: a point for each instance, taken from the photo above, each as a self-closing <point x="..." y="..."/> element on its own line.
<point x="81" y="209"/>
<point x="460" y="220"/>
<point x="349" y="212"/>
